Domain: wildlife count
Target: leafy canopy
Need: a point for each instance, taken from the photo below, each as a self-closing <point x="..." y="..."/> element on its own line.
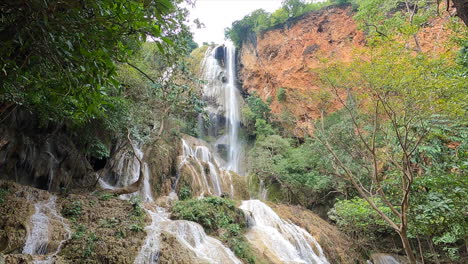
<point x="58" y="58"/>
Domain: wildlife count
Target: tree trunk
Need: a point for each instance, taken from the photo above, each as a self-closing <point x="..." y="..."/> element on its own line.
<point x="407" y="246"/>
<point x="462" y="9"/>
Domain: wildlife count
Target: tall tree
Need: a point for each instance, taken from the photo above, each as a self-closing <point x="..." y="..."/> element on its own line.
<point x="386" y="94"/>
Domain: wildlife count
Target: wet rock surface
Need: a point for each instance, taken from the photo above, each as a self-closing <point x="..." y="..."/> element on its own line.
<point x="337" y="246"/>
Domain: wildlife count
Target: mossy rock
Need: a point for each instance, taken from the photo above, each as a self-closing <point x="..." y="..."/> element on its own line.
<point x="103" y="230"/>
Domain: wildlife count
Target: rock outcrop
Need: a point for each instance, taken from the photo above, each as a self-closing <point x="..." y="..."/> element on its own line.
<point x="290" y="57"/>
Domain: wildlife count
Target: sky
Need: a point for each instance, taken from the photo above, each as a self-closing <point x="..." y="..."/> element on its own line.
<point x="219" y="14"/>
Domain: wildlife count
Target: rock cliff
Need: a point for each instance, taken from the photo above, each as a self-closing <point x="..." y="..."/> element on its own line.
<point x="289" y="57"/>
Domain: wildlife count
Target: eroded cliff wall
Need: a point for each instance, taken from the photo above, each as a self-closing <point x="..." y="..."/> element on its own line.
<point x="290" y="57"/>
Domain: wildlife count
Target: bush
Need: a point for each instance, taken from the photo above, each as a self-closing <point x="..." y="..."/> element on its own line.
<point x="220" y="218"/>
<point x="281" y="94"/>
<point x="357" y="216"/>
<point x="72" y="210"/>
<point x="3" y="193"/>
<point x="212" y="213"/>
<point x="260" y="21"/>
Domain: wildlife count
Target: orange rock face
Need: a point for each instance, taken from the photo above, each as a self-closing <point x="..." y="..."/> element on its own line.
<point x="286" y="58"/>
<point x="290" y="58"/>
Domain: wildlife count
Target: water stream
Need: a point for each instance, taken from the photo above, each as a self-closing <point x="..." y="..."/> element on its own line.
<point x="44" y="222"/>
<point x="281" y="240"/>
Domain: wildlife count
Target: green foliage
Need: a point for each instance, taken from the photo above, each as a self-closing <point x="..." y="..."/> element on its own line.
<point x="72" y="210"/>
<point x="97" y="149"/>
<point x="384" y="19"/>
<point x="356" y="216"/>
<point x="263" y="129"/>
<point x="109" y="222"/>
<point x="63" y="64"/>
<point x="303" y="171"/>
<point x="219" y="217"/>
<point x="136" y="228"/>
<point x="260" y="21"/>
<point x="185" y="193"/>
<point x="256" y="117"/>
<point x="387" y="95"/>
<point x="106" y="196"/>
<point x="90" y="245"/>
<point x="3" y="193"/>
<point x="281" y="94"/>
<point x="80" y="231"/>
<point x="136" y="205"/>
<point x="439" y="200"/>
<point x="212" y="213"/>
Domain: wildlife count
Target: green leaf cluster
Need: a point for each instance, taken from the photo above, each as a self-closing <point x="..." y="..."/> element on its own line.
<point x="260" y="21"/>
<point x="219" y="217"/>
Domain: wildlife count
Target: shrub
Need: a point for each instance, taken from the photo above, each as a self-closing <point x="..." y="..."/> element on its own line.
<point x="281" y="94"/>
<point x="72" y="210"/>
<point x="3" y="193"/>
<point x="221" y="218"/>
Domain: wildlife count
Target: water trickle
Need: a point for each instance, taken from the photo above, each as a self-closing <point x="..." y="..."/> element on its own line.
<point x="43" y="224"/>
<point x="283" y="240"/>
<point x="149" y="252"/>
<point x="263" y="191"/>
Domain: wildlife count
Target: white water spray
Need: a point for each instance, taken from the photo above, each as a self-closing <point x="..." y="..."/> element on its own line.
<point x="281" y="239"/>
<point x="232" y="110"/>
<point x="224" y="99"/>
<point x="42" y="227"/>
<point x="192" y="236"/>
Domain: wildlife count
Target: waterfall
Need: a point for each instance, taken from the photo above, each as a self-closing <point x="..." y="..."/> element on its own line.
<point x="232" y="110"/>
<point x="204" y="168"/>
<point x="283" y="240"/>
<point x="223" y="102"/>
<point x="128" y="171"/>
<point x="192" y="236"/>
<point x="149" y="252"/>
<point x="42" y="226"/>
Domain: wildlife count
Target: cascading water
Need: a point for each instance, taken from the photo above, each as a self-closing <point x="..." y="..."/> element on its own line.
<point x="232" y="110"/>
<point x="203" y="167"/>
<point x="206" y="248"/>
<point x="43" y="223"/>
<point x="128" y="171"/>
<point x="224" y="100"/>
<point x="149" y="252"/>
<point x="284" y="241"/>
<point x="190" y="234"/>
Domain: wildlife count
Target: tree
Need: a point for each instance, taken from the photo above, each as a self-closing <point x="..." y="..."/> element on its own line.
<point x="58" y="58"/>
<point x="294" y="7"/>
<point x="462" y="9"/>
<point x="386" y="93"/>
